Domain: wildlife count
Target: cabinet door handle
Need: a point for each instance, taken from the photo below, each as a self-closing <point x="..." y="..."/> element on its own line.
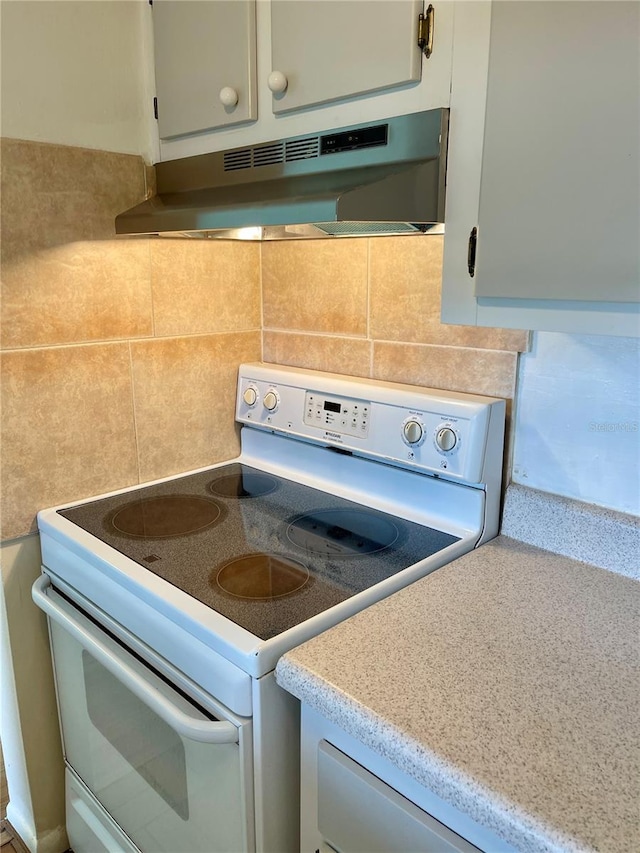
<point x="471" y="253"/>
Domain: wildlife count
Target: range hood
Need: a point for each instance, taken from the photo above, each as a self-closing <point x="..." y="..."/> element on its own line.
<point x="384" y="177"/>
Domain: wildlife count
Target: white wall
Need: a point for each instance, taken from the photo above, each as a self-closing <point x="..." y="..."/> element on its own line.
<point x="78" y="73"/>
<point x="29" y="724"/>
<point x="578" y="419"/>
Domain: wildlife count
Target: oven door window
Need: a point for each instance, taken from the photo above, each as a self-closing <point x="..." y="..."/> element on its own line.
<point x="146" y="743"/>
<point x="165" y="789"/>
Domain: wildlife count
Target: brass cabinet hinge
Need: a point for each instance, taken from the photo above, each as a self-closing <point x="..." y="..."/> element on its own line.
<point x="425" y="31"/>
<point x="471" y="252"/>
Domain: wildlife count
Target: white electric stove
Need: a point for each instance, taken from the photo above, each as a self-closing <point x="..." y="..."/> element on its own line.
<point x="170" y="603"/>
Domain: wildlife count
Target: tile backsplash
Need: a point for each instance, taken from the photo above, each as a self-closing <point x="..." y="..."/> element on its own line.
<point x="371" y="307"/>
<point x="120" y="355"/>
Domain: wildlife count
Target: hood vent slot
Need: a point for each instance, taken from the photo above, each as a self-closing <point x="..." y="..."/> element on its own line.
<point x="240" y="158"/>
<point x="303" y="149"/>
<point x="268" y="155"/>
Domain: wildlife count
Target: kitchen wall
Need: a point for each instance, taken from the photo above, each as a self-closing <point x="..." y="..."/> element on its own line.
<point x="578" y="419"/>
<point x="371" y="308"/>
<point x="119" y="355"/>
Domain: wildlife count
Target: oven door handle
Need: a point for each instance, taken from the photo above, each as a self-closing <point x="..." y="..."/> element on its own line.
<point x="204" y="731"/>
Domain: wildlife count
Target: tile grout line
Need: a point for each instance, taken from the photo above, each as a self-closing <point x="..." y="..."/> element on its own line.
<point x="346" y="336"/>
<point x="153" y="311"/>
<point x="261" y="296"/>
<point x="369" y="338"/>
<point x="133" y="412"/>
<point x="115" y="341"/>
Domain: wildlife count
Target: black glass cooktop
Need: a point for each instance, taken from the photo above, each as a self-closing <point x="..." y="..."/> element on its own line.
<point x="265" y="552"/>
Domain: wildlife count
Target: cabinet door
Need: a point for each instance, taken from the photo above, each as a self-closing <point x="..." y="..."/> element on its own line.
<point x="547" y="171"/>
<point x="358" y="812"/>
<point x="333" y="50"/>
<point x="205" y="55"/>
<point x="559" y="196"/>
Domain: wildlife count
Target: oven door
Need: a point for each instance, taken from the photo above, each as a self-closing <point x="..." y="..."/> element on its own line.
<point x="172" y="773"/>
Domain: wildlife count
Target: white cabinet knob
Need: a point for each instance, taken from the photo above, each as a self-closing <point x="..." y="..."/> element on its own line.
<point x="228" y="96"/>
<point x="277" y="82"/>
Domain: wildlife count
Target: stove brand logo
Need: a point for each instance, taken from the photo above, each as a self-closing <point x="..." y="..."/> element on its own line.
<point x="334" y="435"/>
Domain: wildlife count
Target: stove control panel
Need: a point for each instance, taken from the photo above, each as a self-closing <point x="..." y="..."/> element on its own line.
<point x="345" y="415"/>
<point x="445" y="433"/>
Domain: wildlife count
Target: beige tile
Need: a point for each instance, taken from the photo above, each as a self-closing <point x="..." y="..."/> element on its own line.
<point x="318" y="352"/>
<point x="56" y="194"/>
<point x="67" y="428"/>
<point x="450" y="368"/>
<point x="56" y="287"/>
<point x="203" y="286"/>
<point x="85" y="291"/>
<point x="406" y="277"/>
<point x="316" y="286"/>
<point x="184" y="391"/>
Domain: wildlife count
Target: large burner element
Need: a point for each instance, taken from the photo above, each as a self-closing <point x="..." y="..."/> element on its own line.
<point x="342" y="532"/>
<point x="262" y="577"/>
<point x="166" y="515"/>
<point x="244" y="484"/>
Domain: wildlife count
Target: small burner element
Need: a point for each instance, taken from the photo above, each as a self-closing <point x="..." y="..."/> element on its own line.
<point x="262" y="577"/>
<point x="166" y="515"/>
<point x="342" y="532"/>
<point x="244" y="484"/>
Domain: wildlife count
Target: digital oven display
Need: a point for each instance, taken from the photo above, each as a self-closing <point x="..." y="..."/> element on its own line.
<point x="331" y="407"/>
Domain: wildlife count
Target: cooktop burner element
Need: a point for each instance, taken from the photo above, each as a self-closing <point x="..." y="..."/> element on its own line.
<point x="243" y="484"/>
<point x="166" y="515"/>
<point x="262" y="577"/>
<point x="343" y="532"/>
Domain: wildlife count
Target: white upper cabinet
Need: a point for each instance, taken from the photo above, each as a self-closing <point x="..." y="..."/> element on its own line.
<point x="205" y="61"/>
<point x="544" y="148"/>
<point x="317" y="65"/>
<point x="323" y="51"/>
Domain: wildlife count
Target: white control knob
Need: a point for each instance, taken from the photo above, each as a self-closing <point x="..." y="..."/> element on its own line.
<point x="277" y="82"/>
<point x="413" y="432"/>
<point x="250" y="396"/>
<point x="228" y="96"/>
<point x="446" y="439"/>
<point x="270" y="400"/>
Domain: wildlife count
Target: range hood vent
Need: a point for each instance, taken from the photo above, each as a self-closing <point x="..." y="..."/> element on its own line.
<point x="385" y="177"/>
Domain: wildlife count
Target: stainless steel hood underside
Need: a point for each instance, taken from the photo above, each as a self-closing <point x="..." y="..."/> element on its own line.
<point x="376" y="178"/>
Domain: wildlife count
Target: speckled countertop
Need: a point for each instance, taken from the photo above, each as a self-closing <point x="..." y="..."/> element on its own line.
<point x="508" y="684"/>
